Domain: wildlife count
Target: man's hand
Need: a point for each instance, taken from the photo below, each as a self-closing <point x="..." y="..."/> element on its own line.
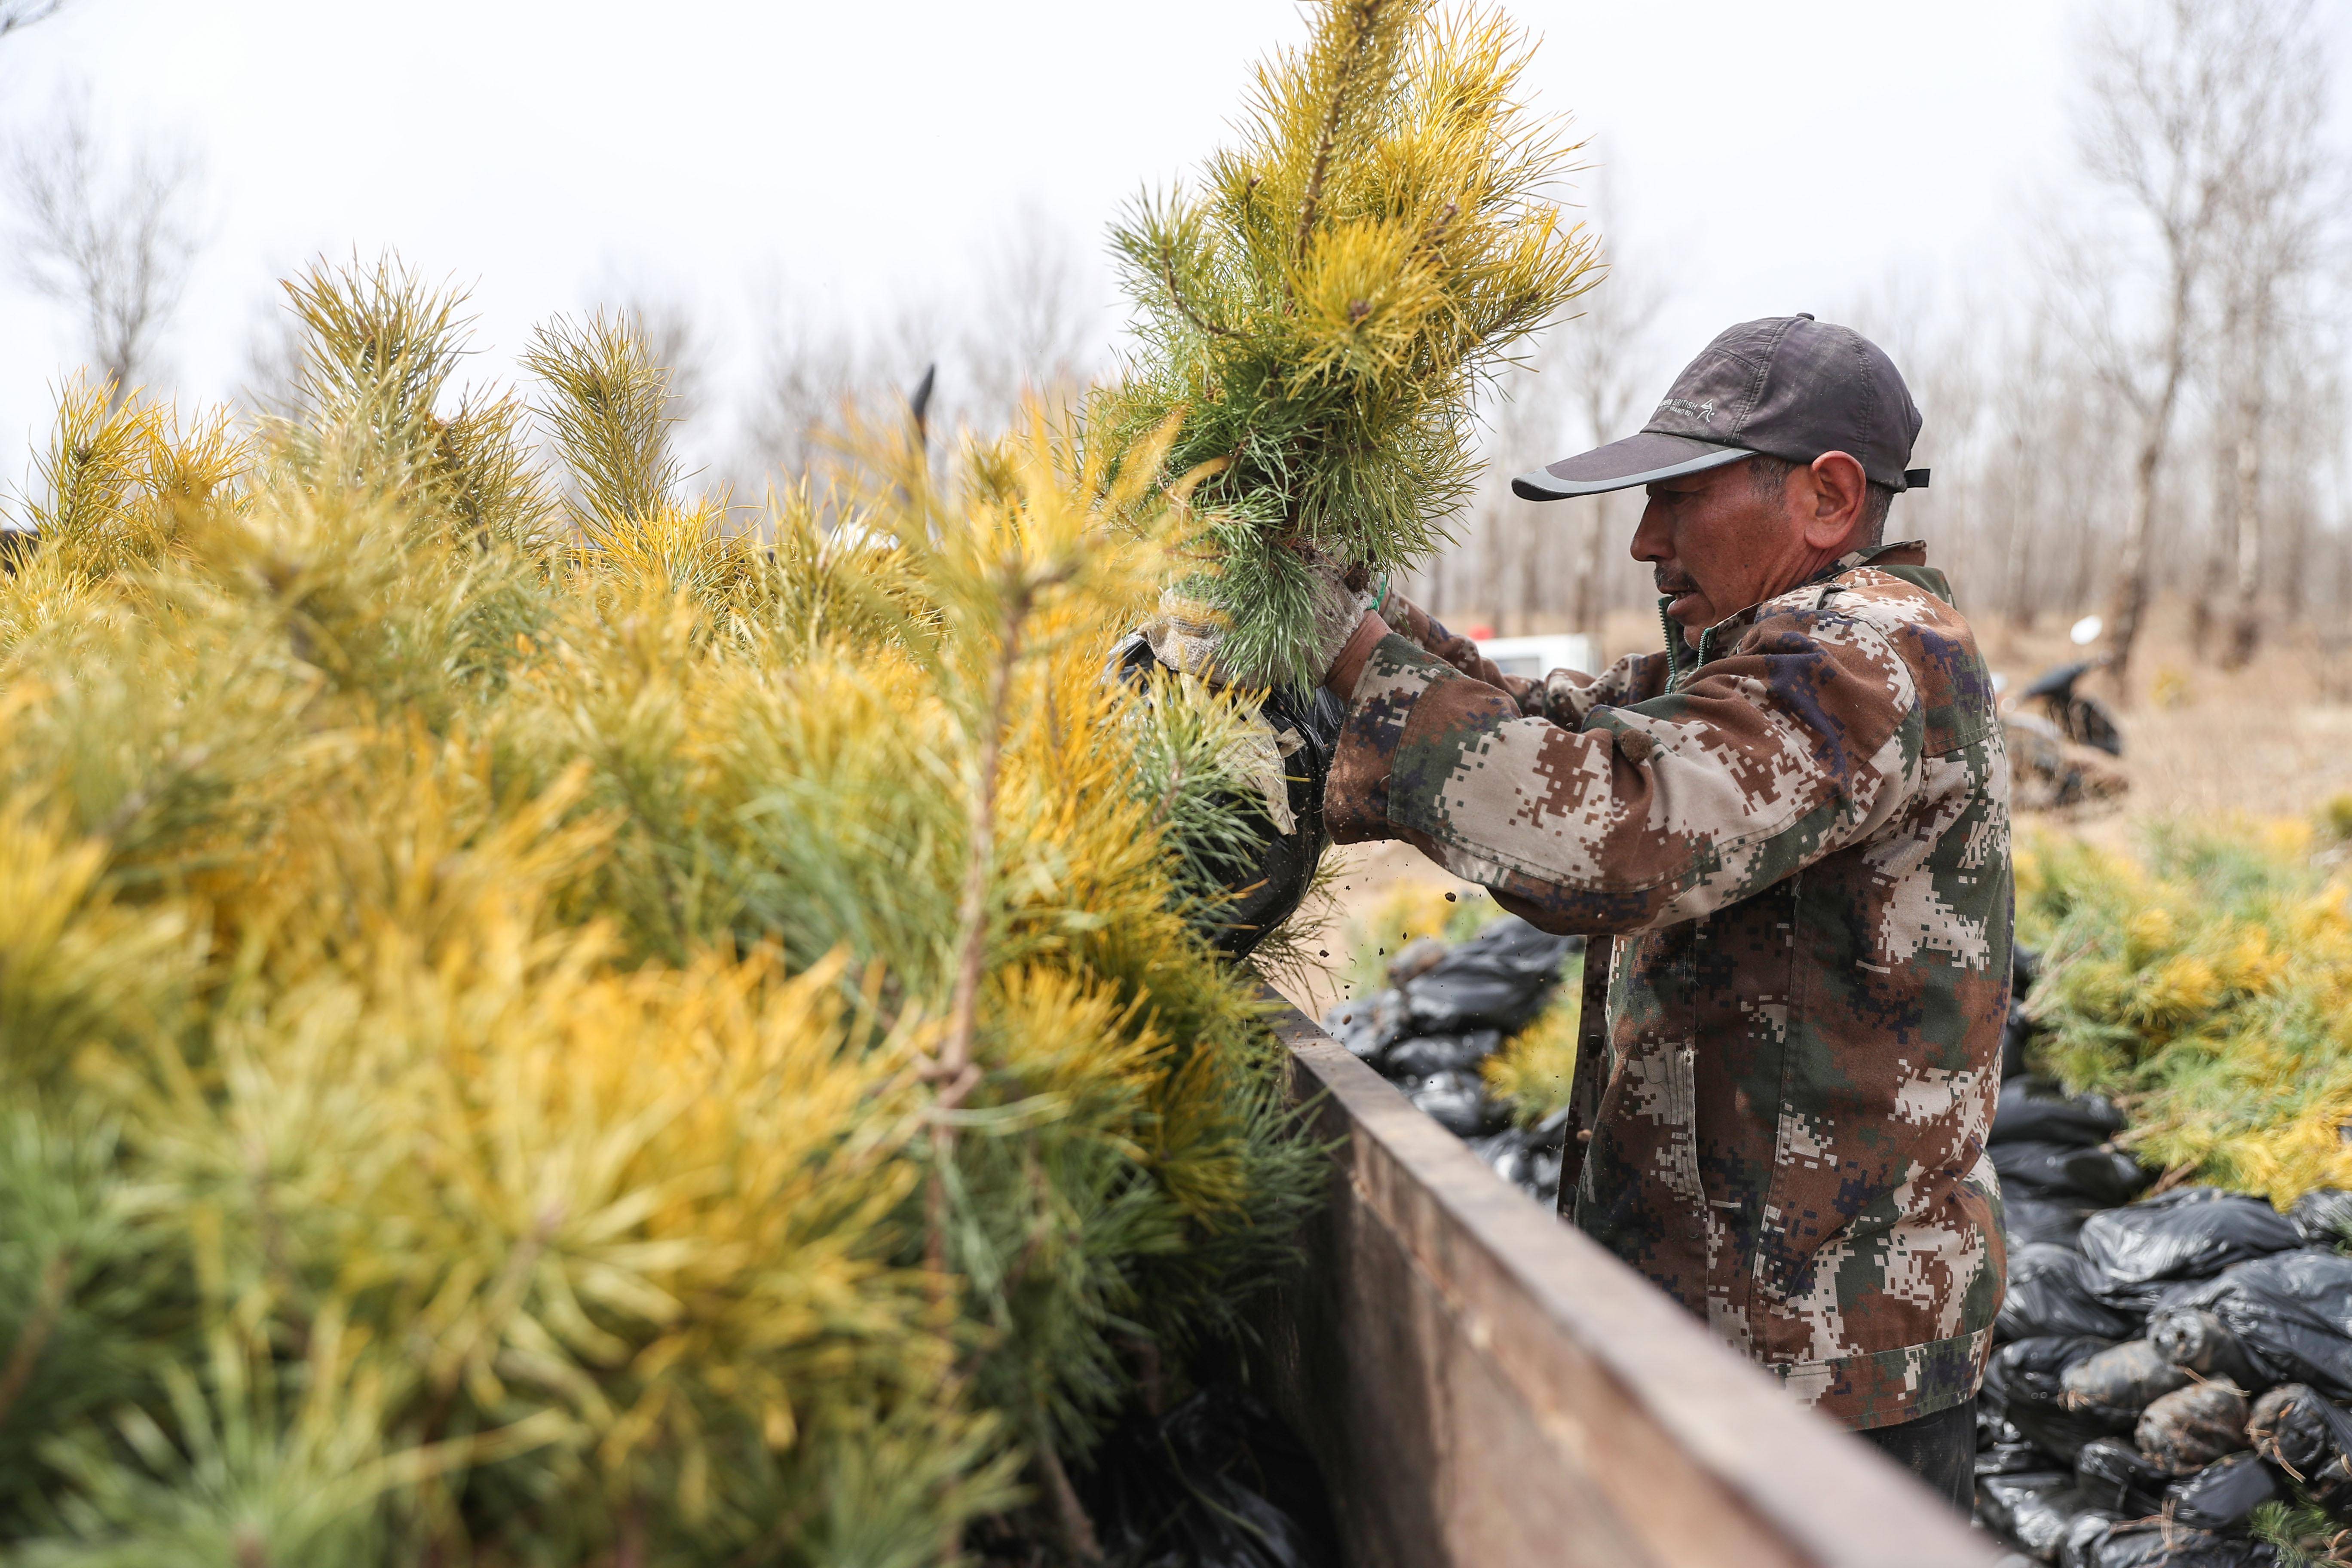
<point x="1348" y="624"/>
<point x="1190" y="636"/>
<point x="1395" y="613"/>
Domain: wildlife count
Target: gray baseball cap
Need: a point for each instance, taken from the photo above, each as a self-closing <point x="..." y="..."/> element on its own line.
<point x="1786" y="386"/>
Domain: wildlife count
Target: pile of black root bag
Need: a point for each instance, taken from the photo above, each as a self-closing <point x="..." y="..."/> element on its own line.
<point x="1216" y="1483"/>
<point x="1446" y="1010"/>
<point x="2163" y="1367"/>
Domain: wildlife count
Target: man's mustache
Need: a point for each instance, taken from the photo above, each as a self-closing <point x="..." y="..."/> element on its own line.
<point x="1672" y="584"/>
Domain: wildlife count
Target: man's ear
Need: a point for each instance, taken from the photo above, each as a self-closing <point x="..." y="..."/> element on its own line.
<point x="1840" y="491"/>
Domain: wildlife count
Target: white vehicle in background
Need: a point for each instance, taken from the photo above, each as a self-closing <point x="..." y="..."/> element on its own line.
<point x="1536" y="658"/>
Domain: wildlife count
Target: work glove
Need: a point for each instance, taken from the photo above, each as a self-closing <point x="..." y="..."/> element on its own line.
<point x="1190" y="636"/>
<point x="1348" y="620"/>
<point x="1347" y="605"/>
<point x="1187" y="635"/>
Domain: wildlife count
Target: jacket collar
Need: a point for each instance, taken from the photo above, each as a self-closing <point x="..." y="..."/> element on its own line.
<point x="1894" y="553"/>
<point x="1904" y="557"/>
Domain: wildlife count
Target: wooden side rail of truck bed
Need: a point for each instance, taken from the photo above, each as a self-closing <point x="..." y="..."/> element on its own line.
<point x="1485" y="1387"/>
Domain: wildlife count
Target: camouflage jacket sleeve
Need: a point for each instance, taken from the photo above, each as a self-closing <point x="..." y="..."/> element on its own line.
<point x="1564" y="696"/>
<point x="1799" y="742"/>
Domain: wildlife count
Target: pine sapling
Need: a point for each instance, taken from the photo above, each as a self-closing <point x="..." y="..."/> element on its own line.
<point x="1321" y="309"/>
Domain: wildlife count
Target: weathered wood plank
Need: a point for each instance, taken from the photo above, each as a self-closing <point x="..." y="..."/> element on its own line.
<point x="1486" y="1387"/>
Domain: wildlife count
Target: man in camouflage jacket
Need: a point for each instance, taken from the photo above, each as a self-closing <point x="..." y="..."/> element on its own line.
<point x="1795" y="821"/>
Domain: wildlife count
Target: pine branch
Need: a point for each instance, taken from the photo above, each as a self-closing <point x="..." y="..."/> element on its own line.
<point x="972" y="912"/>
<point x="608" y="409"/>
<point x="1078" y="1538"/>
<point x="1352" y="328"/>
<point x="954" y="1069"/>
<point x="33" y="1335"/>
<point x="1368" y="16"/>
<point x="16" y="13"/>
<point x="1168" y="270"/>
<point x="536" y="891"/>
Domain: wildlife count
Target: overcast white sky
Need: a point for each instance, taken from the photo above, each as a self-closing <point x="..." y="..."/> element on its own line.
<point x="1775" y="157"/>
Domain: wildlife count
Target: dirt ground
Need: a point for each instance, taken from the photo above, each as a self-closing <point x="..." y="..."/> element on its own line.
<point x="2272" y="739"/>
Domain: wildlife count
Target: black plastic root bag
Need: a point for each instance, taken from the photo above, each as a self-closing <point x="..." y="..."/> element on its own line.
<point x="1456" y="1101"/>
<point x="1266" y="884"/>
<point x="2082" y="1537"/>
<point x="1499" y="979"/>
<point x="1993" y="1425"/>
<point x="2291" y="1312"/>
<point x="2019" y="1031"/>
<point x="2017" y="1035"/>
<point x="1460" y="1005"/>
<point x="2024" y="1382"/>
<point x="1515" y="1156"/>
<point x="1425" y="1054"/>
<point x="2159" y="1545"/>
<point x="2049" y="1293"/>
<point x="1359" y="1025"/>
<point x="2115" y="1476"/>
<point x="2191" y="1427"/>
<point x="2310" y="1439"/>
<point x="2036" y="1110"/>
<point x="2041" y="1523"/>
<point x="2033" y="1510"/>
<point x="2118" y="1382"/>
<point x="2016" y="1458"/>
<point x="1217" y="1482"/>
<point x="2193" y="1233"/>
<point x="2323" y="1214"/>
<point x="2197" y="1339"/>
<point x="2100" y="1176"/>
<point x="2222" y="1494"/>
<point x="2025" y="1217"/>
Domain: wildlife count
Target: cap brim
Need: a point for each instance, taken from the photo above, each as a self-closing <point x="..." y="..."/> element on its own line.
<point x="1636" y="461"/>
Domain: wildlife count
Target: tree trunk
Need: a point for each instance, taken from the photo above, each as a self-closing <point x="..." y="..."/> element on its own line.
<point x="2294" y="595"/>
<point x="2026" y="524"/>
<point x="1588" y="579"/>
<point x="1532" y="576"/>
<point x="2245" y="625"/>
<point x="2082" y="577"/>
<point x="1603" y="419"/>
<point x="2210" y="600"/>
<point x="2130" y="599"/>
<point x="2132" y="562"/>
<point x="2342" y="605"/>
<point x="2203" y="617"/>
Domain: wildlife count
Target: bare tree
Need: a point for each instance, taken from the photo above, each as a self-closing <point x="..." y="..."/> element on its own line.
<point x="2024" y="404"/>
<point x="114" y="241"/>
<point x="1500" y="543"/>
<point x="1590" y="378"/>
<point x="16" y="13"/>
<point x="2274" y="215"/>
<point x="1027" y="328"/>
<point x="2311" y="431"/>
<point x="810" y="374"/>
<point x="1034" y="327"/>
<point x="2178" y="104"/>
<point x="668" y="326"/>
<point x="273" y="358"/>
<point x="1952" y="374"/>
<point x="825" y="380"/>
<point x="1604" y="358"/>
